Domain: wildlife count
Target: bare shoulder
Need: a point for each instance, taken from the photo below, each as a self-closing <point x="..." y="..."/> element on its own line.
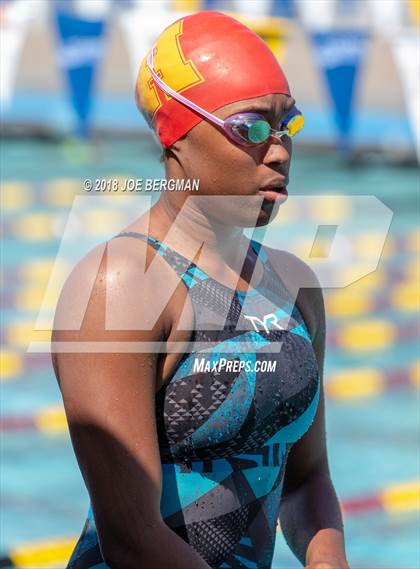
<point x="303" y="284"/>
<point x="294" y="269"/>
<point x="121" y="276"/>
<point x="108" y="379"/>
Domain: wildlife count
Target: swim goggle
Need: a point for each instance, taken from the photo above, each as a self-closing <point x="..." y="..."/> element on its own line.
<point x="247" y="128"/>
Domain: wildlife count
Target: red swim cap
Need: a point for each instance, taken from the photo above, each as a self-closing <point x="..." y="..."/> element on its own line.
<point x="213" y="60"/>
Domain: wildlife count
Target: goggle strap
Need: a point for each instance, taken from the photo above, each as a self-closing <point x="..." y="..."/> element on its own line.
<point x="212" y="118"/>
<point x="162" y="85"/>
<point x="279" y="133"/>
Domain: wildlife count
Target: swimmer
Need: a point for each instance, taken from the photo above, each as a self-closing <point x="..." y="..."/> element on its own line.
<point x="196" y="411"/>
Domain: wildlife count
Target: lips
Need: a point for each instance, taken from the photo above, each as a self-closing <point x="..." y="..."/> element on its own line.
<point x="274" y="192"/>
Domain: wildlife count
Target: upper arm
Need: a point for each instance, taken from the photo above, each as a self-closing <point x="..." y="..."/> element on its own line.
<point x="309" y="454"/>
<point x="109" y="399"/>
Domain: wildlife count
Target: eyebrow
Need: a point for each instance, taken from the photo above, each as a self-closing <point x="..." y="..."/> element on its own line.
<point x="257" y="108"/>
<point x="268" y="109"/>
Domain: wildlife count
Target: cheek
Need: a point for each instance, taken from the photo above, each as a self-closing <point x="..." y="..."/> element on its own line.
<point x="289" y="147"/>
<point x="221" y="166"/>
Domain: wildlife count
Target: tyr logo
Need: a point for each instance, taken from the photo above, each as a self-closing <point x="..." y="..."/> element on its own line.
<point x="264" y="323"/>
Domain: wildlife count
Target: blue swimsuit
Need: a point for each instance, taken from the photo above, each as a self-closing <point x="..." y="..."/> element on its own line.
<point x="225" y="431"/>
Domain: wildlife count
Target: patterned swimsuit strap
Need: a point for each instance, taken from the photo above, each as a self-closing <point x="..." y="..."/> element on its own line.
<point x="190" y="274"/>
<point x="185" y="268"/>
<point x="178" y="262"/>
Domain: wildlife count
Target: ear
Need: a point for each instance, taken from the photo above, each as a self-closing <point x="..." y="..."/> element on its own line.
<point x="167" y="153"/>
<point x="176" y="158"/>
<point x="177" y="151"/>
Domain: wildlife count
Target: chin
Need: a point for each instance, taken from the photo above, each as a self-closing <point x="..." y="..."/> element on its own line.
<point x="268" y="213"/>
<point x="265" y="215"/>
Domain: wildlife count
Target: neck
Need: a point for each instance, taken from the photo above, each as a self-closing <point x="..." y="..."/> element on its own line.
<point x="193" y="223"/>
<point x="186" y="224"/>
<point x="191" y="227"/>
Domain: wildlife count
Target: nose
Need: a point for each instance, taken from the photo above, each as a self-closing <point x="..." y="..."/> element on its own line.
<point x="278" y="151"/>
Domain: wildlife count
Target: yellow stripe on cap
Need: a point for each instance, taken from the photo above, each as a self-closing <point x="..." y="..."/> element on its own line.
<point x="61" y="192"/>
<point x="48" y="554"/>
<point x="367" y="335"/>
<point x="401" y="497"/>
<point x="347" y="303"/>
<point x="358" y="383"/>
<point x="10" y="364"/>
<point x="52" y="420"/>
<point x="15" y="195"/>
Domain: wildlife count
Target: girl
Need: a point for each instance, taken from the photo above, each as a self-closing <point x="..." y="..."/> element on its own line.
<point x="196" y="410"/>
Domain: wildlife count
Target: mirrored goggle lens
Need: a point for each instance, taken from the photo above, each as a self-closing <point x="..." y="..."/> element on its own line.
<point x="251" y="128"/>
<point x="248" y="128"/>
<point x="258" y="131"/>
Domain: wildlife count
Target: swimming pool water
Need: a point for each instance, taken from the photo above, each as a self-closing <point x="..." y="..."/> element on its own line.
<point x="373" y="440"/>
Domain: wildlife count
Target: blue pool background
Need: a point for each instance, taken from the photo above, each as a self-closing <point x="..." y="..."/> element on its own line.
<point x="372" y="359"/>
<point x="373" y="440"/>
